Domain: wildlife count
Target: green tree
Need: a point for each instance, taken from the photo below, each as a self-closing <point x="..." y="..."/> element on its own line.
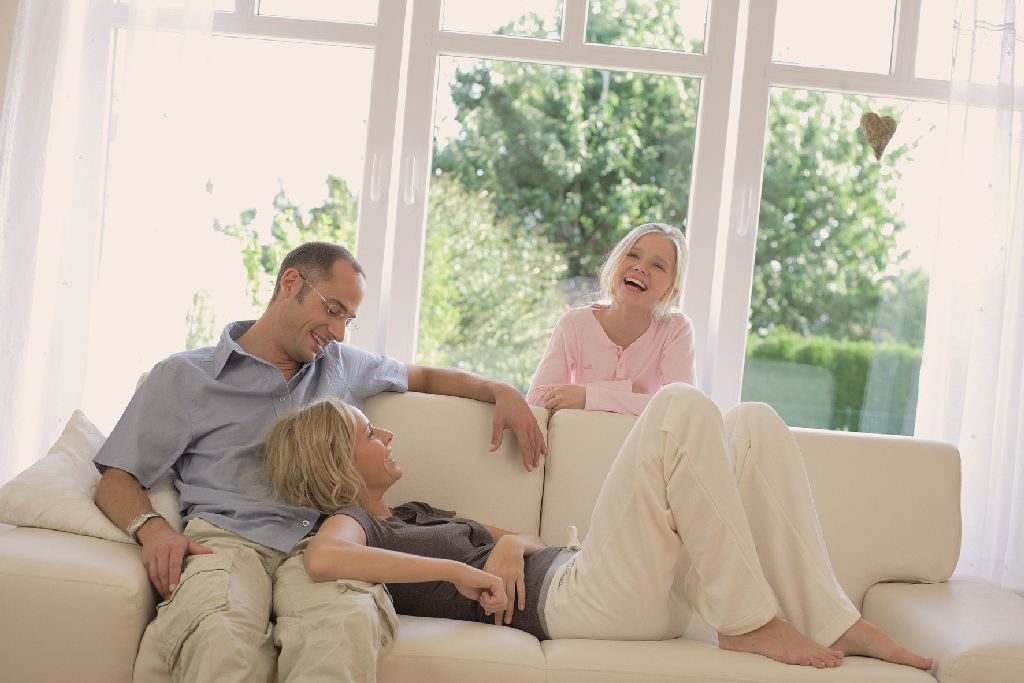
<point x="826" y="232"/>
<point x="582" y="155"/>
<point x="333" y="221"/>
<point x="489" y="297"/>
<point x="578" y="155"/>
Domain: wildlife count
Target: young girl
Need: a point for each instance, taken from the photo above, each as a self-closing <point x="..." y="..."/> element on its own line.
<point x="615" y="356"/>
<point x="670" y="489"/>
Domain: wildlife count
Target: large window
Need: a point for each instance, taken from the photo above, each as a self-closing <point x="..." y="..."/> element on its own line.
<point x="482" y="158"/>
<point x="537" y="173"/>
<point x="840" y="276"/>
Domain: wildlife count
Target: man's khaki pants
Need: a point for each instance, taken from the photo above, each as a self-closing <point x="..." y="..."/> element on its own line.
<point x="216" y="626"/>
<point x="701" y="514"/>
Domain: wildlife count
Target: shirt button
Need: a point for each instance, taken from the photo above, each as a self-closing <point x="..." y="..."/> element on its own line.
<point x="283" y="398"/>
<point x="305" y="522"/>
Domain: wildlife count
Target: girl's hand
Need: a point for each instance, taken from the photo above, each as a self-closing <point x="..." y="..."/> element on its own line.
<point x="487" y="589"/>
<point x="565" y="396"/>
<point x="506" y="561"/>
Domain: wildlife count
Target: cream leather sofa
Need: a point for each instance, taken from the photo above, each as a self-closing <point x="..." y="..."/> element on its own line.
<point x="73" y="608"/>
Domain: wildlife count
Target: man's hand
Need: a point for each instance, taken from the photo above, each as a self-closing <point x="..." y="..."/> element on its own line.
<point x="565" y="396"/>
<point x="512" y="412"/>
<point x="163" y="554"/>
<point x="506" y="561"/>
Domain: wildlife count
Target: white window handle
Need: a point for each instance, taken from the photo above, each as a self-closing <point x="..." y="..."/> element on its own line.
<point x="409" y="185"/>
<point x="375" y="179"/>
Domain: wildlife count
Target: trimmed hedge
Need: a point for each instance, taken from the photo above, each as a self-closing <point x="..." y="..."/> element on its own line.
<point x="834" y="384"/>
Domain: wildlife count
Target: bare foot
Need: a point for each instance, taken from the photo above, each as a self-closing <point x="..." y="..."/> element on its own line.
<point x="866" y="639"/>
<point x="779" y="641"/>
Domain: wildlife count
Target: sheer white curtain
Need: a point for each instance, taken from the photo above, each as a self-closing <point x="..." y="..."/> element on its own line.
<point x="972" y="375"/>
<point x="67" y="183"/>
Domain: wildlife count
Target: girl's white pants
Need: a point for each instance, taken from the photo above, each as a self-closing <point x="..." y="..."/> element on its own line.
<point x="705" y="514"/>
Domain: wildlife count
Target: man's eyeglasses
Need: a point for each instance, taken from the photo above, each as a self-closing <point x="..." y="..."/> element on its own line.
<point x="335" y="310"/>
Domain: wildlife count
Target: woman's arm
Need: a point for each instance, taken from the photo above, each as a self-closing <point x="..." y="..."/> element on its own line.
<point x="555" y="367"/>
<point x="339" y="552"/>
<point x="529" y="542"/>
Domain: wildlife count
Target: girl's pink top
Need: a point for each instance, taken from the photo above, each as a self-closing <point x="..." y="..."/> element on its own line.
<point x="617" y="380"/>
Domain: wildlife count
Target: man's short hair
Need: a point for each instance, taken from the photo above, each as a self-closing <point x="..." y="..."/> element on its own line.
<point x="315" y="260"/>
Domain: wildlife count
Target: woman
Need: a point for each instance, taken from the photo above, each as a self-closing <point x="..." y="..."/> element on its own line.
<point x="670" y="508"/>
<point x="614" y="356"/>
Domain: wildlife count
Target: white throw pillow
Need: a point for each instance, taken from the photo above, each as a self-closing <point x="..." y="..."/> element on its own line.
<point x="57" y="491"/>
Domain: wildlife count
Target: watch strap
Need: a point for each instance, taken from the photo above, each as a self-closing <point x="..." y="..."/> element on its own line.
<point x="136" y="524"/>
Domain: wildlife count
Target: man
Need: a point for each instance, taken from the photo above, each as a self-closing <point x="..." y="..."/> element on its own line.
<point x="238" y="562"/>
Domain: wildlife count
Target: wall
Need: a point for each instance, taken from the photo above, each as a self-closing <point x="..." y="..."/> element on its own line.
<point x="8" y="10"/>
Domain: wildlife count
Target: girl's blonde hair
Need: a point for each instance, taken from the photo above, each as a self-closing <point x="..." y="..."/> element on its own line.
<point x="620" y="250"/>
<point x="309" y="457"/>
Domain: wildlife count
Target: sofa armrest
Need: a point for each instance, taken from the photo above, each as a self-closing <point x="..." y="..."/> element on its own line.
<point x="973" y="629"/>
<point x="74" y="607"/>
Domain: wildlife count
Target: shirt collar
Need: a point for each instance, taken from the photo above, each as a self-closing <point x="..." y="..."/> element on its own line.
<point x="228" y="344"/>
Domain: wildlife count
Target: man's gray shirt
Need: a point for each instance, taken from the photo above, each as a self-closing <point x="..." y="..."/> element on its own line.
<point x="206" y="413"/>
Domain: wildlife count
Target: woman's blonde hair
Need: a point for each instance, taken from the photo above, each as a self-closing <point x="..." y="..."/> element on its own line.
<point x="309" y="457"/>
<point x="620" y="250"/>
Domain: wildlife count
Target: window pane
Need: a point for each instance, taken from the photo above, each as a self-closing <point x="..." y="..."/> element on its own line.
<point x="537" y="172"/>
<point x="354" y="11"/>
<point x="841" y="270"/>
<point x="854" y="36"/>
<point x="533" y="18"/>
<point x="209" y="186"/>
<point x="658" y="24"/>
<point x="935" y="39"/>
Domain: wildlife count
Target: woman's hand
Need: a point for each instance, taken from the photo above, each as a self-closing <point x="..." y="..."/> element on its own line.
<point x="487" y="589"/>
<point x="506" y="561"/>
<point x="565" y="396"/>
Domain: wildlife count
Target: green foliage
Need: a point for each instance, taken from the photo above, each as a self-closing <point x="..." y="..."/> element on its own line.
<point x="583" y="155"/>
<point x="200" y="325"/>
<point x="826" y="233"/>
<point x="579" y="155"/>
<point x="334" y="221"/>
<point x="901" y="311"/>
<point x="868" y="386"/>
<point x="489" y="298"/>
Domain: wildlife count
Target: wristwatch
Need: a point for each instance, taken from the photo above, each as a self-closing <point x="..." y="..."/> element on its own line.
<point x="136" y="524"/>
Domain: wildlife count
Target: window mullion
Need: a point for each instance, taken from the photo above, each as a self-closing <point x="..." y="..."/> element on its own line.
<point x="375" y="232"/>
<point x="726" y="341"/>
<point x="574" y="22"/>
<point x="905" y="39"/>
<point x="410" y="183"/>
<point x="707" y="182"/>
<point x="589" y="55"/>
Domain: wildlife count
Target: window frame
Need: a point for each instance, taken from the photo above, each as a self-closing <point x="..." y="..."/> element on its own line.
<point x="737" y="75"/>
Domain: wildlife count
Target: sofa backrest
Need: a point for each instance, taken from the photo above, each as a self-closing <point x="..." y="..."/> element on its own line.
<point x="889" y="506"/>
<point x="441" y="445"/>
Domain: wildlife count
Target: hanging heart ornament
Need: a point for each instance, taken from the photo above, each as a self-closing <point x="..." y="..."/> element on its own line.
<point x="878" y="131"/>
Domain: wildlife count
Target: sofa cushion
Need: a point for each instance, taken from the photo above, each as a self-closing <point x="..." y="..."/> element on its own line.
<point x="687" y="661"/>
<point x="73" y="607"/>
<point x="581" y="447"/>
<point x="889" y="506"/>
<point x="973" y="629"/>
<point x="443" y="650"/>
<point x="441" y="445"/>
<point x="56" y="492"/>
